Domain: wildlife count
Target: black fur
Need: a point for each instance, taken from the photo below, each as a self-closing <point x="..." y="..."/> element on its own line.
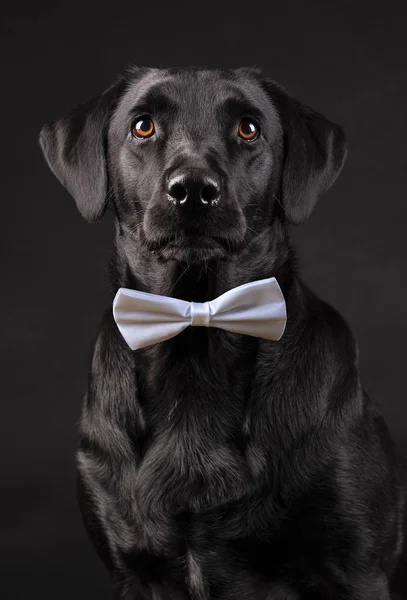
<point x="216" y="465"/>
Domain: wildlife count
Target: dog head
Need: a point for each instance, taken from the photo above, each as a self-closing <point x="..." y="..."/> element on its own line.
<point x="195" y="161"/>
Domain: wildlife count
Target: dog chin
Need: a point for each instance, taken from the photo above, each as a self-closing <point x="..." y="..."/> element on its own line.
<point x="196" y="249"/>
<point x="190" y="255"/>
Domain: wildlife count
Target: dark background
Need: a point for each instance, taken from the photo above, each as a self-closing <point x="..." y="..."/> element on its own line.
<point x="346" y="59"/>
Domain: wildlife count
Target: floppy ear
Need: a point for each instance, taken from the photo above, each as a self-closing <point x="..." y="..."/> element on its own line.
<point x="314" y="154"/>
<point x="75" y="149"/>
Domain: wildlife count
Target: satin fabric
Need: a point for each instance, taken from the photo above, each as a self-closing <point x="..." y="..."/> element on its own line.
<point x="256" y="308"/>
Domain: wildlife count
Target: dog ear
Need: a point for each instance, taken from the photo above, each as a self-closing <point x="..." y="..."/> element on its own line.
<point x="314" y="153"/>
<point x="75" y="150"/>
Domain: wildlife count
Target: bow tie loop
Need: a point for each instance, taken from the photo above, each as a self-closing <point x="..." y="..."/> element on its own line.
<point x="200" y="314"/>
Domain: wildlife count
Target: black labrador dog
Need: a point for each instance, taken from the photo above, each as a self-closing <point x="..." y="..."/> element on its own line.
<point x="217" y="465"/>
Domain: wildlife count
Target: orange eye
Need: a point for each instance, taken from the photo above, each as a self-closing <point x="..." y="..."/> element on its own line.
<point x="248" y="130"/>
<point x="143" y="128"/>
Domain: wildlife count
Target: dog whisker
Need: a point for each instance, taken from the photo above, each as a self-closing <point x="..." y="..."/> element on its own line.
<point x="136" y="227"/>
<point x="175" y="284"/>
<point x="109" y="194"/>
<point x="279" y="202"/>
<point x="250" y="229"/>
<point x="217" y="275"/>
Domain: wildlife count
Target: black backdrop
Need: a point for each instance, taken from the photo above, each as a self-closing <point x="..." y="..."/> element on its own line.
<point x="344" y="58"/>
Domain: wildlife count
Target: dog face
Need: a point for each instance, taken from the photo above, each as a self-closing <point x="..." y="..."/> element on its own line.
<point x="196" y="161"/>
<point x="190" y="154"/>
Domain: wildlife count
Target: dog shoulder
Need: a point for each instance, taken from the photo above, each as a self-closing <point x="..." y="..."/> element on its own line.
<point x="326" y="324"/>
<point x="110" y="351"/>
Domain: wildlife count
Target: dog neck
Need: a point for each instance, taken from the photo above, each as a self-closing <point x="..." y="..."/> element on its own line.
<point x="187" y="375"/>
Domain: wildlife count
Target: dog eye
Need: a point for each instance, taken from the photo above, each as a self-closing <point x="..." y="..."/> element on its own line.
<point x="248" y="130"/>
<point x="143" y="128"/>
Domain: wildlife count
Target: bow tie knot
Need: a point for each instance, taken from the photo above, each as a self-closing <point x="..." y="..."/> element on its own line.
<point x="200" y="314"/>
<point x="256" y="308"/>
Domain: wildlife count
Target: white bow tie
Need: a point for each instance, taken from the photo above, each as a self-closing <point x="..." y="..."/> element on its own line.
<point x="256" y="308"/>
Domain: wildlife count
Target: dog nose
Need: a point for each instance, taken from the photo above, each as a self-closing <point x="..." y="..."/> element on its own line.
<point x="193" y="189"/>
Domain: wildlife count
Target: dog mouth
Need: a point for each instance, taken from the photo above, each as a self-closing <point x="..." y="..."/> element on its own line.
<point x="193" y="246"/>
<point x="190" y="239"/>
<point x="174" y="235"/>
